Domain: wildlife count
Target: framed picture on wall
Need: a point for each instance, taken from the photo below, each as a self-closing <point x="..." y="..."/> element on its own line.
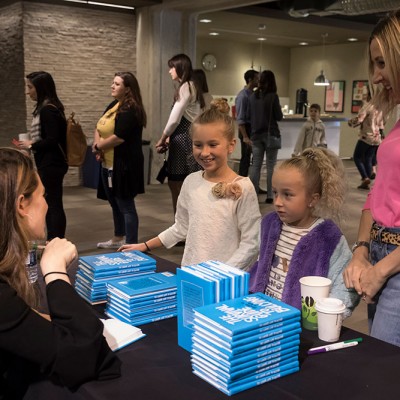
<point x="359" y="88"/>
<point x="334" y="96"/>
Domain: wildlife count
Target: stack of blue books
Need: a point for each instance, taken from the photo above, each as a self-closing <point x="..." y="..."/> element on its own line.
<point x="205" y="283"/>
<point x="96" y="271"/>
<point x="142" y="299"/>
<point x="245" y="342"/>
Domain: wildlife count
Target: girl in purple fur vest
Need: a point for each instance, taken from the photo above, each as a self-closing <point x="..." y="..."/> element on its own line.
<point x="296" y="240"/>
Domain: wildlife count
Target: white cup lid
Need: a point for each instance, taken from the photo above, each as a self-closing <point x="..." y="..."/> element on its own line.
<point x="330" y="305"/>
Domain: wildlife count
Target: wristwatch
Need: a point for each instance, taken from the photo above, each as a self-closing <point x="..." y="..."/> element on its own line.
<point x="358" y="244"/>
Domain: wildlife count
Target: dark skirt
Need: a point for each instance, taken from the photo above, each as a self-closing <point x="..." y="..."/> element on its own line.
<point x="181" y="162"/>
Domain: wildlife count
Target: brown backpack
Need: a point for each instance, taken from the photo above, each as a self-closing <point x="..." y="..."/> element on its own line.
<point x="76" y="143"/>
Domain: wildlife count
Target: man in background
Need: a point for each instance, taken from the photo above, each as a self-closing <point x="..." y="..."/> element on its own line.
<point x="243" y="119"/>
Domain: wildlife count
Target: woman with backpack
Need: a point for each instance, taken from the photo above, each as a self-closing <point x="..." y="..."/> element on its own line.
<point x="48" y="145"/>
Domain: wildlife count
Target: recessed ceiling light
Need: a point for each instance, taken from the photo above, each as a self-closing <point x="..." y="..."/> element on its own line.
<point x="213" y="33"/>
<point x="261" y="39"/>
<point x="303" y="43"/>
<point x="352" y="39"/>
<point x="205" y="20"/>
<point x="96" y="3"/>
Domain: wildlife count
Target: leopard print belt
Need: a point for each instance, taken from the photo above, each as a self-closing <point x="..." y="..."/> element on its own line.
<point x="383" y="236"/>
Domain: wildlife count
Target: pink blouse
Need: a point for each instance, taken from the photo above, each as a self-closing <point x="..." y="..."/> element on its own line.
<point x="384" y="198"/>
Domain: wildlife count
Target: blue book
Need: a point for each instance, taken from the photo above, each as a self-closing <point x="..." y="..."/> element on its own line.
<point x="140" y="306"/>
<point x="255" y="334"/>
<point x="244" y="277"/>
<point x="270" y="348"/>
<point x="250" y="359"/>
<point x="148" y="284"/>
<point x="193" y="291"/>
<point x="104" y="274"/>
<point x="117" y="260"/>
<point x="136" y="313"/>
<point x="247" y="385"/>
<point x="244" y="314"/>
<point x="250" y="348"/>
<point x="224" y="283"/>
<point x="251" y="341"/>
<point x="250" y="365"/>
<point x="143" y="299"/>
<point x="244" y="375"/>
<point x="140" y="321"/>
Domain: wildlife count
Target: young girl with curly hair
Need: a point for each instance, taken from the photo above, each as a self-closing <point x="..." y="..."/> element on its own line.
<point x="296" y="239"/>
<point x="217" y="211"/>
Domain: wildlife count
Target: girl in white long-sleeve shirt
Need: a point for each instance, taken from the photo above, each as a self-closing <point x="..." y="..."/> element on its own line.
<point x="217" y="210"/>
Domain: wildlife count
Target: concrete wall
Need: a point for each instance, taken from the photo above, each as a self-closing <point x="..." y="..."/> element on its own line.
<point x="12" y="95"/>
<point x="82" y="49"/>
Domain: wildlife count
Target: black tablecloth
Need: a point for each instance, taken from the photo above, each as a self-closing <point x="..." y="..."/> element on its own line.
<point x="157" y="368"/>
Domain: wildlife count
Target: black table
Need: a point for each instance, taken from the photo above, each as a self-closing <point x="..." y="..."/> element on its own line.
<point x="157" y="368"/>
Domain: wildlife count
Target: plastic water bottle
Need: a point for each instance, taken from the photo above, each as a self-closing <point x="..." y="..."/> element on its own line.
<point x="31" y="263"/>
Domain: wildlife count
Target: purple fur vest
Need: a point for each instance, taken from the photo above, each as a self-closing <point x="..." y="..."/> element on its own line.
<point x="311" y="256"/>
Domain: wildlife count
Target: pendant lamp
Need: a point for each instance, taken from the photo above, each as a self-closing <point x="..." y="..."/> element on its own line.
<point x="321" y="79"/>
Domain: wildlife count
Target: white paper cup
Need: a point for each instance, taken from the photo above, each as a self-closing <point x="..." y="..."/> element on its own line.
<point x="330" y="317"/>
<point x="24" y="136"/>
<point x="312" y="288"/>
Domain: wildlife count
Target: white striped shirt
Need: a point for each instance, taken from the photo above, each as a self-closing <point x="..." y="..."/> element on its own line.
<point x="288" y="239"/>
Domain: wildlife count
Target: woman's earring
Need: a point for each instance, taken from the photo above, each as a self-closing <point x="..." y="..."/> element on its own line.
<point x="310" y="205"/>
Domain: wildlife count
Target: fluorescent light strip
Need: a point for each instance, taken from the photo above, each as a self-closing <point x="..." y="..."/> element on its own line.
<point x="96" y="3"/>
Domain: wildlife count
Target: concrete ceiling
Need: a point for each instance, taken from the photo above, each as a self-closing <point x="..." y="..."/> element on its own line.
<point x="271" y="20"/>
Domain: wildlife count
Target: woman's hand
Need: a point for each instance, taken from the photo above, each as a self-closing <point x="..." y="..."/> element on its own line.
<point x="57" y="255"/>
<point x="128" y="247"/>
<point x="162" y="144"/>
<point x="371" y="282"/>
<point x="351" y="275"/>
<point x="22" y="144"/>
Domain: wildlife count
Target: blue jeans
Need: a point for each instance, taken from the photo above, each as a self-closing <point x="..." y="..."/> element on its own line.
<point x="384" y="315"/>
<point x="259" y="147"/>
<point x="126" y="220"/>
<point x="363" y="156"/>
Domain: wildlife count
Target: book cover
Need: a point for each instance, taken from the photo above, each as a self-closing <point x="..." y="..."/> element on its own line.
<point x="118" y="334"/>
<point x="245" y="313"/>
<point x="193" y="291"/>
<point x="148" y="284"/>
<point x="126" y="259"/>
<point x="140" y="321"/>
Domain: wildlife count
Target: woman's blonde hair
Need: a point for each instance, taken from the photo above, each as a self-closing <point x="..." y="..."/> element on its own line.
<point x="324" y="174"/>
<point x="218" y="112"/>
<point x="17" y="177"/>
<point x="387" y="35"/>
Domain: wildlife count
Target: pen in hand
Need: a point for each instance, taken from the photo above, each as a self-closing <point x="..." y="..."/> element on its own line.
<point x="335" y="346"/>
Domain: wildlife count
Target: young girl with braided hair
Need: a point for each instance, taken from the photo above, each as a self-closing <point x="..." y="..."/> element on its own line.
<point x="300" y="238"/>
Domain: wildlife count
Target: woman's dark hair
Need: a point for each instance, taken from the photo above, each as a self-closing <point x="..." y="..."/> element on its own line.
<point x="184" y="70"/>
<point x="133" y="97"/>
<point x="266" y="84"/>
<point x="45" y="90"/>
<point x="200" y="82"/>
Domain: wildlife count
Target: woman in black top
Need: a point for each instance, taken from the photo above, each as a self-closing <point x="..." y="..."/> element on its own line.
<point x="48" y="144"/>
<point x="118" y="145"/>
<point x="265" y="112"/>
<point x="70" y="348"/>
